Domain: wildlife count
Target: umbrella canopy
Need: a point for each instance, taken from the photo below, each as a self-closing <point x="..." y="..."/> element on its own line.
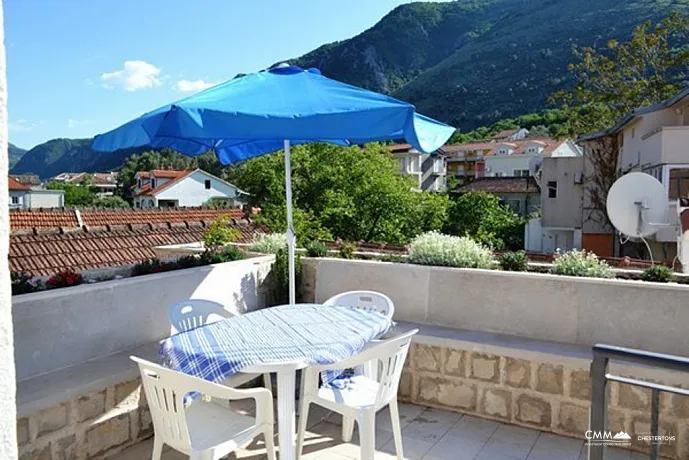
<point x="253" y="115"/>
<point x="269" y="110"/>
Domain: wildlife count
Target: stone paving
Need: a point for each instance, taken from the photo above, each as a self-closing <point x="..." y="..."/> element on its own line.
<point x="428" y="434"/>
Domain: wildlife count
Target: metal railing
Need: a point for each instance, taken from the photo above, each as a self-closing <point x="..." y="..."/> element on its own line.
<point x="602" y="354"/>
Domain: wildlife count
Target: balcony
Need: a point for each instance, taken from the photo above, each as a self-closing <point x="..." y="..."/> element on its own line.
<point x="500" y="372"/>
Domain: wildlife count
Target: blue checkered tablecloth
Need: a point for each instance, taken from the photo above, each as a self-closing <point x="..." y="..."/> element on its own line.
<point x="308" y="333"/>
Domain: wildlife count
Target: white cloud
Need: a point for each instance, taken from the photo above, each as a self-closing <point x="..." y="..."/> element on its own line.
<point x="135" y="75"/>
<point x="21" y="126"/>
<point x="71" y="123"/>
<point x="189" y="86"/>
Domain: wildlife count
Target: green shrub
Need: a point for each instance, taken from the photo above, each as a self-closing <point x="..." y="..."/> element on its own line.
<point x="581" y="263"/>
<point x="189" y="261"/>
<point x="220" y="233"/>
<point x="514" y="261"/>
<point x="659" y="274"/>
<point x="269" y="243"/>
<point x="23" y="283"/>
<point x="152" y="266"/>
<point x="226" y="254"/>
<point x="316" y="248"/>
<point x="434" y="248"/>
<point x="396" y="258"/>
<point x="280" y="270"/>
<point x="346" y="249"/>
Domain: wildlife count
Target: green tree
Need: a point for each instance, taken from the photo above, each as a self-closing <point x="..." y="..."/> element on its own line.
<point x="348" y="193"/>
<point x="481" y="216"/>
<point x="110" y="202"/>
<point x="608" y="84"/>
<point x="76" y="195"/>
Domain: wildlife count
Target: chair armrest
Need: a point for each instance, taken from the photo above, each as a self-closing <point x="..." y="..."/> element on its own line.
<point x="362" y="357"/>
<point x="263" y="398"/>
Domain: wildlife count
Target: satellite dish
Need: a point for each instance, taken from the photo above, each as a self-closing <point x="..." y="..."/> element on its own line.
<point x="637" y="205"/>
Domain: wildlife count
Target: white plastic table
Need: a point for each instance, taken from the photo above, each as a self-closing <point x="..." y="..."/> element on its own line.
<point x="278" y="340"/>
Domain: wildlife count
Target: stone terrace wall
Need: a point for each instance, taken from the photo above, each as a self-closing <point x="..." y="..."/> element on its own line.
<point x="546" y="396"/>
<point x="96" y="425"/>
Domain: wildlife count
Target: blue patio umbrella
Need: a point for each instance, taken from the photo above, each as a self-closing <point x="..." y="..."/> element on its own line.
<point x="271" y="110"/>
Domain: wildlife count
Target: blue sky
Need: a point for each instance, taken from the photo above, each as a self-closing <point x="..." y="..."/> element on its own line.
<point x="80" y="67"/>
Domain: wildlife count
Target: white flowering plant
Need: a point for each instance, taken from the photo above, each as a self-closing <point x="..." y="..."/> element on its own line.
<point x="580" y="263"/>
<point x="269" y="243"/>
<point x="435" y="248"/>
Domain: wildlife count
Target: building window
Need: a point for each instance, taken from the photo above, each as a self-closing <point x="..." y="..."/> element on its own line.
<point x="208" y="184"/>
<point x="138" y="183"/>
<point x="15" y="200"/>
<point x="552" y="189"/>
<point x="679" y="183"/>
<point x="502" y="151"/>
<point x="521" y="173"/>
<point x="514" y="205"/>
<point x="153" y="183"/>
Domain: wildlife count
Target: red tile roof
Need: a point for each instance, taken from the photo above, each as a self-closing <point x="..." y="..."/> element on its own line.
<point x="180" y="175"/>
<point x="46" y="254"/>
<point x="501" y="185"/>
<point x="34" y="218"/>
<point x="505" y="134"/>
<point x="395" y="148"/>
<point x="102" y="217"/>
<point x="14" y="184"/>
<point x="167" y="173"/>
<point x="549" y="146"/>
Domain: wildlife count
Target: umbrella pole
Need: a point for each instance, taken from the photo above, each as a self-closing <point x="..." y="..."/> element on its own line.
<point x="291" y="237"/>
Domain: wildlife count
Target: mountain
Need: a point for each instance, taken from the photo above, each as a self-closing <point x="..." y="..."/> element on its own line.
<point x="14" y="153"/>
<point x="67" y="155"/>
<point x="472" y="62"/>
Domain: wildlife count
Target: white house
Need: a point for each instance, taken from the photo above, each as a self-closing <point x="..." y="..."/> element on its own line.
<point x="522" y="158"/>
<point x="651" y="139"/>
<point x="25" y="197"/>
<point x="166" y="188"/>
<point x="427" y="171"/>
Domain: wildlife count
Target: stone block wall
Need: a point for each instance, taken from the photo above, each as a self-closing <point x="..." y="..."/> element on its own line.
<point x="92" y="426"/>
<point x="539" y="395"/>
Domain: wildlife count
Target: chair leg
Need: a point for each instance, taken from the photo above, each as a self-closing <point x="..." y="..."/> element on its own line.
<point x="157" y="448"/>
<point x="347" y="428"/>
<point x="270" y="444"/>
<point x="303" y="420"/>
<point x="202" y="455"/>
<point x="267" y="382"/>
<point x="396" y="428"/>
<point x="367" y="434"/>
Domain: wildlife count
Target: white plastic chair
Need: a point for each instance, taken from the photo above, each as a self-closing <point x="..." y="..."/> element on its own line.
<point x="203" y="430"/>
<point x="363" y="397"/>
<point x="193" y="313"/>
<point x="368" y="300"/>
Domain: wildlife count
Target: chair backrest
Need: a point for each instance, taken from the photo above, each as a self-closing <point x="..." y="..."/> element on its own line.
<point x="192" y="313"/>
<point x="368" y="300"/>
<point x="391" y="354"/>
<point x="165" y="391"/>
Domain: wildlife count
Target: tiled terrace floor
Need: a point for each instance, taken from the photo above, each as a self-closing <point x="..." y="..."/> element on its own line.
<point x="429" y="434"/>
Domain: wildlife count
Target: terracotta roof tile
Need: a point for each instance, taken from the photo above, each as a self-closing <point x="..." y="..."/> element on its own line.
<point x="43" y="255"/>
<point x="52" y="218"/>
<point x="162" y="215"/>
<point x="394" y="148"/>
<point x="14" y="184"/>
<point x="501" y="185"/>
<point x="549" y="146"/>
<point x="173" y="180"/>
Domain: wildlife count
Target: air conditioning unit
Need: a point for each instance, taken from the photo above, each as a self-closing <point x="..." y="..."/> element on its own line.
<point x="579" y="178"/>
